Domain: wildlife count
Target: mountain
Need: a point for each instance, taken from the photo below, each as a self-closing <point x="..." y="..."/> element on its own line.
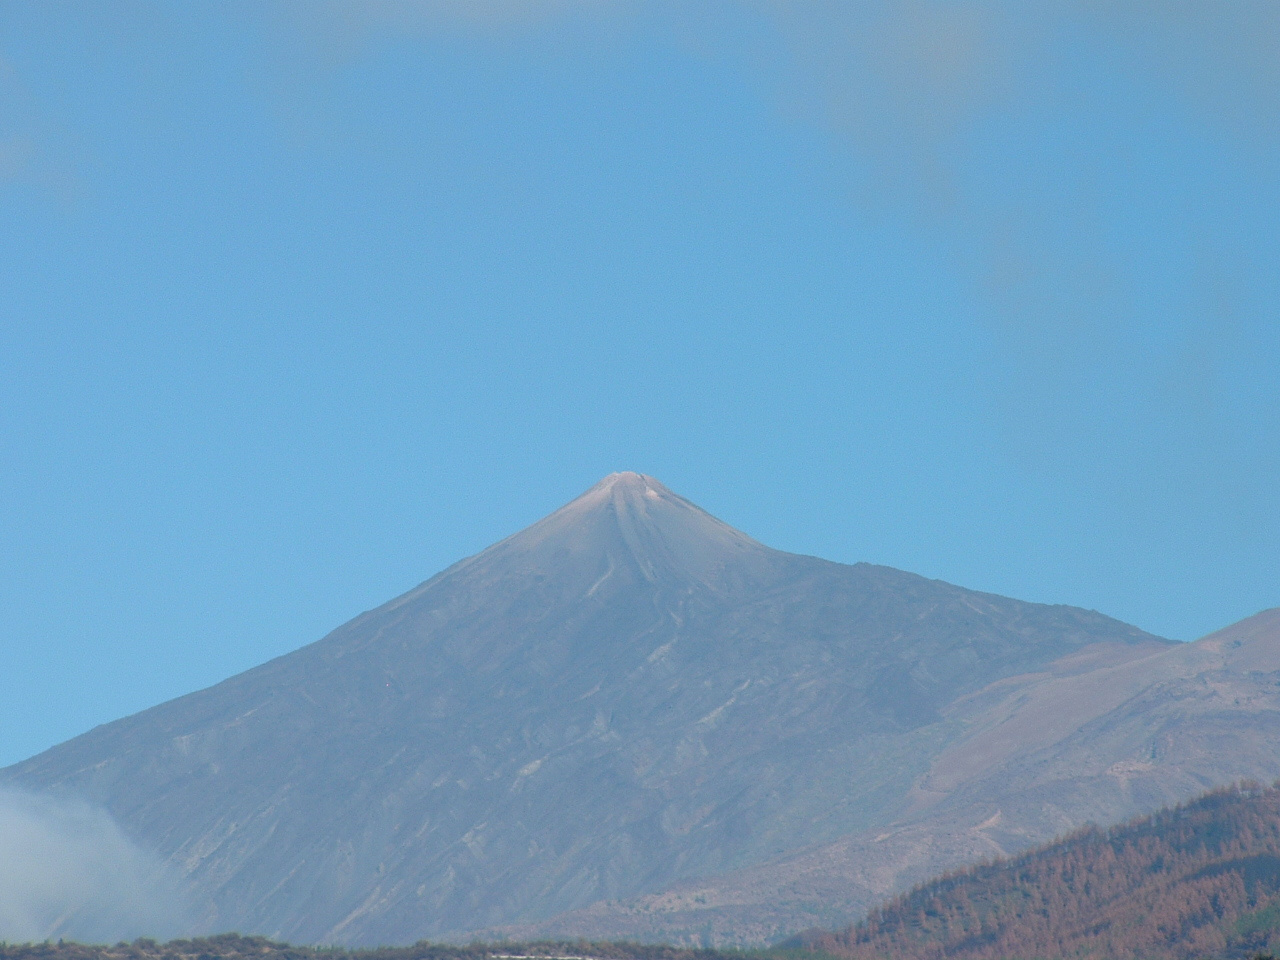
<point x="1201" y="880"/>
<point x="1098" y="736"/>
<point x="626" y="696"/>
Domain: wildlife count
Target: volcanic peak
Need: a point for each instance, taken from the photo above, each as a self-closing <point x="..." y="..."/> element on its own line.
<point x="626" y="695"/>
<point x="623" y="489"/>
<point x="634" y="520"/>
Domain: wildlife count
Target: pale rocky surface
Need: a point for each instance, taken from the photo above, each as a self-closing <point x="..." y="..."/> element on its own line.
<point x="629" y="698"/>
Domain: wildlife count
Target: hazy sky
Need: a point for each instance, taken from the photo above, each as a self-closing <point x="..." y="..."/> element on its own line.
<point x="302" y="302"/>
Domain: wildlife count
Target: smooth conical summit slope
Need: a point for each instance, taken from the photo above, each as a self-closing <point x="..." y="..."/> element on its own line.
<point x="627" y="694"/>
<point x="627" y="529"/>
<point x="632" y="520"/>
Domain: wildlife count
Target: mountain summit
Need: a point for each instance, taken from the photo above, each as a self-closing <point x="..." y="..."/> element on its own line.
<point x="626" y="695"/>
<point x="636" y="527"/>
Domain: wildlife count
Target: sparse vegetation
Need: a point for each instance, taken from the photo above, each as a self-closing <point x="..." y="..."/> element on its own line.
<point x="233" y="946"/>
<point x="1194" y="881"/>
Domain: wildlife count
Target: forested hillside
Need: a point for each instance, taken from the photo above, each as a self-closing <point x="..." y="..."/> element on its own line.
<point x="1199" y="880"/>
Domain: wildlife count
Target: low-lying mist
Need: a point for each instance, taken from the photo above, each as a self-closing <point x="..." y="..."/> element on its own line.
<point x="67" y="870"/>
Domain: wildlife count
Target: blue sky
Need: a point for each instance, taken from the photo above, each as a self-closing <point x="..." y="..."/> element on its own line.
<point x="304" y="302"/>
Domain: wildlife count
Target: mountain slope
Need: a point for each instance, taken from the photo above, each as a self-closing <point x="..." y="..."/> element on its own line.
<point x="626" y="695"/>
<point x="1099" y="736"/>
<point x="1194" y="881"/>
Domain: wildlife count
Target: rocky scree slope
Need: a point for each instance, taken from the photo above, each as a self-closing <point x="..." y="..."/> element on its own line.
<point x="1098" y="736"/>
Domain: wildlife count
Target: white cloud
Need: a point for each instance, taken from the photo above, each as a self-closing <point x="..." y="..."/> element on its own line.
<point x="67" y="870"/>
